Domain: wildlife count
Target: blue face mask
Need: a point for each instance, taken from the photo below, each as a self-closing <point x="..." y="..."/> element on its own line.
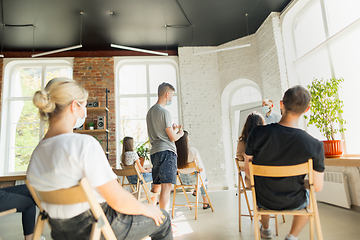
<point x="168" y="103"/>
<point x="265" y="109"/>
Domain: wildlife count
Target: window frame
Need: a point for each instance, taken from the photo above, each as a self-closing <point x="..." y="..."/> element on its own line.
<point x="120" y="62"/>
<point x="11" y="66"/>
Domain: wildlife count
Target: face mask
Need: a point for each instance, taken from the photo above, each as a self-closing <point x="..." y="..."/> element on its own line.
<point x="168" y="103"/>
<point x="265" y="109"/>
<point x="80" y="121"/>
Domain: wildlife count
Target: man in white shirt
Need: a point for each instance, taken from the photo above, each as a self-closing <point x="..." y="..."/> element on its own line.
<point x="270" y="116"/>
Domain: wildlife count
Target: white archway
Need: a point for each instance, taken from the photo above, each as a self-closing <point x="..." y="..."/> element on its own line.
<point x="226" y="97"/>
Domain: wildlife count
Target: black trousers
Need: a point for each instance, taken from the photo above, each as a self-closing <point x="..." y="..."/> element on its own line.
<point x="20" y="198"/>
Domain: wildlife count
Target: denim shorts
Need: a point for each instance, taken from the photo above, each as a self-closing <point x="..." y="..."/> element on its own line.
<point x="302" y="206"/>
<point x="124" y="226"/>
<point x="164" y="167"/>
<point x="190" y="179"/>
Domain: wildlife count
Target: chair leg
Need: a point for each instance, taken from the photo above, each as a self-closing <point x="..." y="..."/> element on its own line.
<point x="317" y="220"/>
<point x="173" y="205"/>
<point x="197" y="200"/>
<point x="311" y="226"/>
<point x="276" y="225"/>
<point x="256" y="227"/>
<point x="186" y="196"/>
<point x="283" y="218"/>
<point x="39" y="228"/>
<point x="95" y="232"/>
<point x="206" y="193"/>
<point x="239" y="194"/>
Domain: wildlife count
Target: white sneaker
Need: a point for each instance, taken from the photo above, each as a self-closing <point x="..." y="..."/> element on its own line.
<point x="265" y="233"/>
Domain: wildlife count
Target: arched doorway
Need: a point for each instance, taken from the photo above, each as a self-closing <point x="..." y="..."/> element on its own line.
<point x="239" y="98"/>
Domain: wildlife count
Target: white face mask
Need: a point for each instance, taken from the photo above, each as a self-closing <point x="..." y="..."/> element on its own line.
<point x="265" y="109"/>
<point x="80" y="121"/>
<point x="168" y="103"/>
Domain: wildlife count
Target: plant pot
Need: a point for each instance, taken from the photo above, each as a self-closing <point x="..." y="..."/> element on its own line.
<point x="91" y="128"/>
<point x="142" y="160"/>
<point x="333" y="148"/>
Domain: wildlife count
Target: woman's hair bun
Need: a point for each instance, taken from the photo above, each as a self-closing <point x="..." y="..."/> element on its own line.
<point x="42" y="101"/>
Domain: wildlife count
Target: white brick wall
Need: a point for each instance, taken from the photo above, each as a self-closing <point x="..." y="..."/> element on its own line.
<point x="203" y="79"/>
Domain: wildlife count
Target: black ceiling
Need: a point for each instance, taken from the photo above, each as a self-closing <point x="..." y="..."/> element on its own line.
<point x="137" y="23"/>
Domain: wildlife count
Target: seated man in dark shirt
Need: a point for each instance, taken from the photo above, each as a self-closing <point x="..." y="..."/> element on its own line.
<point x="283" y="144"/>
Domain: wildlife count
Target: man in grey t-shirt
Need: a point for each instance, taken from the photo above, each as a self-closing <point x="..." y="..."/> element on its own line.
<point x="162" y="136"/>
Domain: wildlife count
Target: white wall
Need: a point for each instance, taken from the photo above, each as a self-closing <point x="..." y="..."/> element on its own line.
<point x="203" y="79"/>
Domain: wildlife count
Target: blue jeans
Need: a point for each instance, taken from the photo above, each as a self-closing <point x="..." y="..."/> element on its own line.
<point x="164" y="167"/>
<point x="147" y="177"/>
<point x="302" y="206"/>
<point x="20" y="198"/>
<point x="190" y="179"/>
<point x="124" y="226"/>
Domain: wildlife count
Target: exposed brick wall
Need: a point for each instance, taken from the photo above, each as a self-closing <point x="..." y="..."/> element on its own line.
<point x="97" y="74"/>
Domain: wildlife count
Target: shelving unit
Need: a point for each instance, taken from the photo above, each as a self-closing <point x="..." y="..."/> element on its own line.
<point x="98" y="131"/>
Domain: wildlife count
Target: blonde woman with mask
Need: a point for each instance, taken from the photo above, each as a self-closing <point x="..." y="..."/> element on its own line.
<point x="62" y="158"/>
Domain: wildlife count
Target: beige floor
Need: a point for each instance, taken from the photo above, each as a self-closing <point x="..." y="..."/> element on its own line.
<point x="222" y="224"/>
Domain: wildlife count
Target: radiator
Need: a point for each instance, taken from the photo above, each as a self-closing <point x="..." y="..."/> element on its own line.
<point x="335" y="190"/>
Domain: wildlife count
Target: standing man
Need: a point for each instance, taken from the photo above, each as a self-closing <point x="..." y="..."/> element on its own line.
<point x="270" y="116"/>
<point x="162" y="137"/>
<point x="285" y="144"/>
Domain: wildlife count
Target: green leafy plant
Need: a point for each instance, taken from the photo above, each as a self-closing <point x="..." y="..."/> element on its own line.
<point x="99" y="140"/>
<point x="325" y="106"/>
<point x="91" y="124"/>
<point x="143" y="150"/>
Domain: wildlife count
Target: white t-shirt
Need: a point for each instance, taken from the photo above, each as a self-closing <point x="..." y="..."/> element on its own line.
<point x="194" y="155"/>
<point x="61" y="161"/>
<point x="131" y="157"/>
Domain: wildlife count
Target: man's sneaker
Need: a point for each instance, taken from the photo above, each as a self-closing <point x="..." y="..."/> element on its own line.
<point x="265" y="233"/>
<point x="286" y="238"/>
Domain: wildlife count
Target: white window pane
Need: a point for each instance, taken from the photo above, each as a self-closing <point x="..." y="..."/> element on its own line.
<point x="173" y="108"/>
<point x="245" y="95"/>
<point x="134" y="128"/>
<point x="133" y="79"/>
<point x="309" y="31"/>
<point x="133" y="108"/>
<point x="26" y="81"/>
<point x="55" y="72"/>
<point x="315" y="65"/>
<point x="341" y="13"/>
<point x="159" y="73"/>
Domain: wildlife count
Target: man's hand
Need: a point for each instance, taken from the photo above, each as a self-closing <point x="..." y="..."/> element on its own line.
<point x="154" y="212"/>
<point x="174" y="126"/>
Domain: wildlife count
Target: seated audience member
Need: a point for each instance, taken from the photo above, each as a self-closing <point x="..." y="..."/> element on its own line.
<point x="284" y="144"/>
<point x="270" y="115"/>
<point x="20" y="198"/>
<point x="62" y="158"/>
<point x="130" y="157"/>
<point x="254" y="119"/>
<point x="187" y="154"/>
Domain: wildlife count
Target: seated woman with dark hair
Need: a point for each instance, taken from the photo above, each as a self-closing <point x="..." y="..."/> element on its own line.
<point x="20" y="198"/>
<point x="186" y="155"/>
<point x="254" y="119"/>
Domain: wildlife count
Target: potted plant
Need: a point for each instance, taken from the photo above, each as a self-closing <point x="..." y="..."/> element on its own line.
<point x="91" y="125"/>
<point x="325" y="108"/>
<point x="142" y="150"/>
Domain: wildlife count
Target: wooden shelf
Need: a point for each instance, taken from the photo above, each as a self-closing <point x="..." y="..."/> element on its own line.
<point x="97" y="109"/>
<point x="91" y="131"/>
<point x="344" y="161"/>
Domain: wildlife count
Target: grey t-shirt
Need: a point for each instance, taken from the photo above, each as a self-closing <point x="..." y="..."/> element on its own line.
<point x="157" y="120"/>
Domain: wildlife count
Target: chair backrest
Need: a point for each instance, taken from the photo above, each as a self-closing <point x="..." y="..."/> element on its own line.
<point x="281" y="171"/>
<point x="126" y="171"/>
<point x="190" y="165"/>
<point x="240" y="164"/>
<point x="76" y="194"/>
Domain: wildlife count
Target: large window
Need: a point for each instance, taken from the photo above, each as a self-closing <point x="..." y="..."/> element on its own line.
<point x="136" y="90"/>
<point x="22" y="127"/>
<point x="325" y="44"/>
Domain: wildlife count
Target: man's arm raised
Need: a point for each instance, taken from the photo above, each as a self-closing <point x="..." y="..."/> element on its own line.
<point x="174" y="136"/>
